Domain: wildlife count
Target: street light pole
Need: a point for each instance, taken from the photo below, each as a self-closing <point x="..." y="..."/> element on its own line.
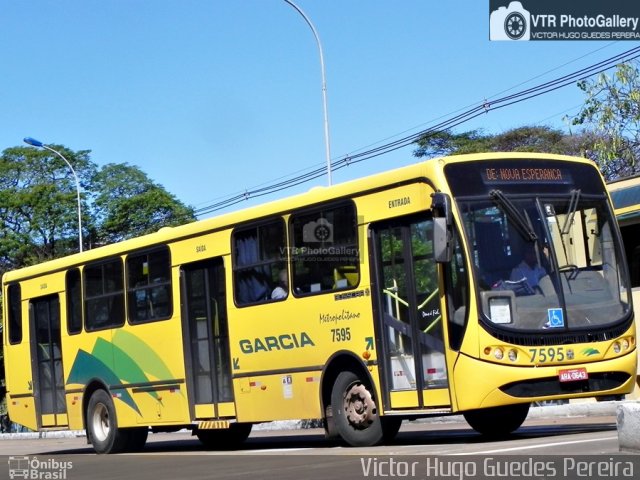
<point x="36" y="143"/>
<point x="324" y="89"/>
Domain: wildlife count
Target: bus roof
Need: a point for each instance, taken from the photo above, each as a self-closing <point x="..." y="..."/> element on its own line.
<point x="625" y="194"/>
<point x="315" y="195"/>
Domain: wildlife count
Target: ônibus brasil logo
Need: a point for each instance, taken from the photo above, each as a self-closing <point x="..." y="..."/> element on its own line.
<point x="35" y="469"/>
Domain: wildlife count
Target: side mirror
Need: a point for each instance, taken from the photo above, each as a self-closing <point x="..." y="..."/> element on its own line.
<point x="442" y="227"/>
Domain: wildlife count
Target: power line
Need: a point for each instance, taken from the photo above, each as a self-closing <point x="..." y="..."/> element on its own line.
<point x="449" y="123"/>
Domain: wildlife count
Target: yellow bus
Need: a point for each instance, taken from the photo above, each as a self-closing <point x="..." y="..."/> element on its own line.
<point x="625" y="195"/>
<point x="397" y="296"/>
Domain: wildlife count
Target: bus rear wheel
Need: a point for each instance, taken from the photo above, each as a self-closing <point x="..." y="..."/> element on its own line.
<point x="137" y="439"/>
<point x="225" y="439"/>
<point x="355" y="412"/>
<point x="497" y="421"/>
<point x="102" y="425"/>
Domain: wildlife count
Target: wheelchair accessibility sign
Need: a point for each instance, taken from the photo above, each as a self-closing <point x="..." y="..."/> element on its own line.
<point x="555" y="318"/>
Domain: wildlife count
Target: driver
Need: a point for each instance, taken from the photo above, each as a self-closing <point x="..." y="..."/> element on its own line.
<point x="528" y="268"/>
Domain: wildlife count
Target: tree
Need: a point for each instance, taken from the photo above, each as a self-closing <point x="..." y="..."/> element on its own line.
<point x="128" y="204"/>
<point x="38" y="204"/>
<point x="521" y="139"/>
<point x="611" y="115"/>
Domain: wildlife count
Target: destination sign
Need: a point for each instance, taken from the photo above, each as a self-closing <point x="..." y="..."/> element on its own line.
<point x="525" y="175"/>
<point x="514" y="176"/>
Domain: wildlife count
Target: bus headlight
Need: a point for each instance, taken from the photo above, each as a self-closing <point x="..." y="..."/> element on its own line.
<point x="616" y="347"/>
<point x="498" y="353"/>
<point x="625" y="344"/>
<point x="513" y="355"/>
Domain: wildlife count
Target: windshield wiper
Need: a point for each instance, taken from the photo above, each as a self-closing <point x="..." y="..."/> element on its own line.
<point x="513" y="213"/>
<point x="573" y="206"/>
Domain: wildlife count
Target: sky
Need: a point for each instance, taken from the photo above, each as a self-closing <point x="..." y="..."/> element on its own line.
<point x="211" y="98"/>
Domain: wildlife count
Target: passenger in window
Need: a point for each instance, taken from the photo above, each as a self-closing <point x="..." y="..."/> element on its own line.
<point x="283" y="285"/>
<point x="528" y="268"/>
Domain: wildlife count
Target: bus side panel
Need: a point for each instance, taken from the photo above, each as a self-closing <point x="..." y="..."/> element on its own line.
<point x="278" y="396"/>
<point x="19" y="377"/>
<point x="304" y="333"/>
<point x="146" y="356"/>
<point x="393" y="202"/>
<point x="85" y="360"/>
<point x="74" y="410"/>
<point x="279" y="350"/>
<point x="156" y="350"/>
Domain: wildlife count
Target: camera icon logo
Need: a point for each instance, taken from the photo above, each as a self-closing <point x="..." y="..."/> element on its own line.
<point x="510" y="23"/>
<point x="319" y="231"/>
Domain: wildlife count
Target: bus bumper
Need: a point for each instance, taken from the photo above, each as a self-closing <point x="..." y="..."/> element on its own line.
<point x="500" y="384"/>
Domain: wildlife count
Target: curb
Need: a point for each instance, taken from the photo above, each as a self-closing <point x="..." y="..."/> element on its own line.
<point x="586" y="409"/>
<point x="628" y="421"/>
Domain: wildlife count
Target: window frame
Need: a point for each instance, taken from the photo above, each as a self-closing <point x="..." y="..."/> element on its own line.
<point x="71" y="299"/>
<point x="129" y="289"/>
<point x="317" y="212"/>
<point x="458" y="291"/>
<point x="279" y="263"/>
<point x="14" y="315"/>
<point x="88" y="326"/>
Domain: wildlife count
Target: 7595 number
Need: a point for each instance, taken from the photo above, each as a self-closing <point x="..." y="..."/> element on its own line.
<point x="550" y="354"/>
<point x="341" y="334"/>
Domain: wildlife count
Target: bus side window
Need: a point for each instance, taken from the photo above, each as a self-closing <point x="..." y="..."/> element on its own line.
<point x="260" y="263"/>
<point x="14" y="313"/>
<point x="149" y="286"/>
<point x="457" y="281"/>
<point x="325" y="250"/>
<point x="74" y="301"/>
<point x="104" y="295"/>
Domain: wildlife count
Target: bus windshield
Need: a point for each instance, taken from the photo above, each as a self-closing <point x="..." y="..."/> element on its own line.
<point x="547" y="263"/>
<point x="545" y="249"/>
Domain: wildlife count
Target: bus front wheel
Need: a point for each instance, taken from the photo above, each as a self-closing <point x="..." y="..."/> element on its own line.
<point x="355" y="412"/>
<point x="102" y="425"/>
<point x="497" y="421"/>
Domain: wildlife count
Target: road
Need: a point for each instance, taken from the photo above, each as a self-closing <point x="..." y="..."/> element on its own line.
<point x="285" y="455"/>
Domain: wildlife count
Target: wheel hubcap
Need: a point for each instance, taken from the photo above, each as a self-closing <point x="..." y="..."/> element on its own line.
<point x="100" y="422"/>
<point x="359" y="407"/>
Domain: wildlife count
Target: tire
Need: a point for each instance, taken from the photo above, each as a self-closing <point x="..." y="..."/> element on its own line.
<point x="137" y="439"/>
<point x="497" y="421"/>
<point x="225" y="439"/>
<point x="390" y="427"/>
<point x="354" y="410"/>
<point x="102" y="425"/>
<point x="330" y="430"/>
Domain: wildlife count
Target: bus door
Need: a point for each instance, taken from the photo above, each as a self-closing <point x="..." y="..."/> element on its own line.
<point x="207" y="340"/>
<point x="46" y="354"/>
<point x="410" y="327"/>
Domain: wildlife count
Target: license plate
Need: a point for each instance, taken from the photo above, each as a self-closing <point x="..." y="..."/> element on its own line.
<point x="573" y="375"/>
